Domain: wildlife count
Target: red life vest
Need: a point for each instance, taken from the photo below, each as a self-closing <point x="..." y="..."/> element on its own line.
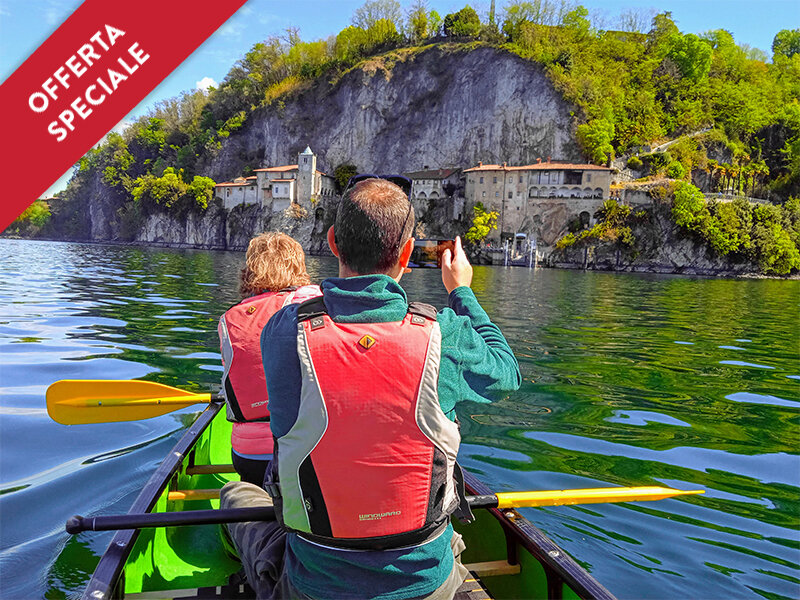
<point x="369" y="461"/>
<point x="243" y="380"/>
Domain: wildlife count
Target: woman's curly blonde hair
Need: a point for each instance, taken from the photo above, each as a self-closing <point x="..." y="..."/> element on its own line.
<point x="274" y="261"/>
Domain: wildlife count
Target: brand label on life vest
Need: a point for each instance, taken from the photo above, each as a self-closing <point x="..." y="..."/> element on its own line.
<point x="378" y="516"/>
<point x="367" y="342"/>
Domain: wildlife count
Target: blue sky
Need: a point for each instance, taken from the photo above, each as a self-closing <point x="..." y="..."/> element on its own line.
<point x="25" y="24"/>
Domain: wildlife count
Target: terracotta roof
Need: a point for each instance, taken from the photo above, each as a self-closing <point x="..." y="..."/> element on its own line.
<point x="432" y="174"/>
<point x="252" y="177"/>
<point x="543" y="166"/>
<point x="282" y="180"/>
<point x="232" y="184"/>
<point x="277" y="169"/>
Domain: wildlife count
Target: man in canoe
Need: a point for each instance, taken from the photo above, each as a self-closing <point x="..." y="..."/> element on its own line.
<point x="362" y="393"/>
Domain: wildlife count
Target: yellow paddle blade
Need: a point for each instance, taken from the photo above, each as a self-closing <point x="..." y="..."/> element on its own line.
<point x="78" y="401"/>
<point x="587" y="496"/>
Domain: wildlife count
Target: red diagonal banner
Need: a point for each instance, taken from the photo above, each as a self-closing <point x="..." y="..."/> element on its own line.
<point x="85" y="78"/>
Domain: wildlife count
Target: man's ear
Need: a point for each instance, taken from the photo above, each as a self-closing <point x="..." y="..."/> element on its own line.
<point x="405" y="253"/>
<point x="332" y="242"/>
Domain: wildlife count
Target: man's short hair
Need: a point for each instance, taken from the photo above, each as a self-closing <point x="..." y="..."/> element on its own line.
<point x="374" y="219"/>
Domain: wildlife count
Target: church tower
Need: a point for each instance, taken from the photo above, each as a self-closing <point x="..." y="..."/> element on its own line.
<point x="306" y="172"/>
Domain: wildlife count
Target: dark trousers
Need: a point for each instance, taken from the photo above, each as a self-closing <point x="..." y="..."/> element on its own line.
<point x="262" y="545"/>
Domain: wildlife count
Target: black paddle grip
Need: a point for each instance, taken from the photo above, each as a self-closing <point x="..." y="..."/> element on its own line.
<point x="78" y="523"/>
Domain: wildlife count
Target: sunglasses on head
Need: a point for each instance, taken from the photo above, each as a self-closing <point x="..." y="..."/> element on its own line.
<point x="401" y="181"/>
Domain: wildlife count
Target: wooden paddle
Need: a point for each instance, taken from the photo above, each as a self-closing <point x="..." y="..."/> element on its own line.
<point x="78" y="523"/>
<point x="79" y="401"/>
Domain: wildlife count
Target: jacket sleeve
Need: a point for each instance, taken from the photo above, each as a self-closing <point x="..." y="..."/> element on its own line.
<point x="474" y="352"/>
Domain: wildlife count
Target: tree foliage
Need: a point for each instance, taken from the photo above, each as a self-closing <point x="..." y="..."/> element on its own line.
<point x="595" y="139"/>
<point x="786" y="42"/>
<point x="342" y="175"/>
<point x="36" y="215"/>
<point x="613" y="226"/>
<point x="767" y="234"/>
<point x="171" y="192"/>
<point x="373" y="11"/>
<point x="465" y="22"/>
<point x="483" y="223"/>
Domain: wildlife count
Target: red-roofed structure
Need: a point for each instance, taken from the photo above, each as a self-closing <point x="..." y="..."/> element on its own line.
<point x="278" y="187"/>
<point x="531" y="199"/>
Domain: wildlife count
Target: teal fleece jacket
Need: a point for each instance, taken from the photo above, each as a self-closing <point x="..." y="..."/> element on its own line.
<point x="476" y="363"/>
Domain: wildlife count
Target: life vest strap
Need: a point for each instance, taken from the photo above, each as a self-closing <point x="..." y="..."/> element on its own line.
<point x="315" y="307"/>
<point x="463" y="512"/>
<point x="418" y="537"/>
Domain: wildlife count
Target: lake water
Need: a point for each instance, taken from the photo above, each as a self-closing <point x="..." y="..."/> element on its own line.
<point x="629" y="380"/>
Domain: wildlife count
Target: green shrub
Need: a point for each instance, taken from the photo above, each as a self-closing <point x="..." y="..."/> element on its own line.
<point x="774" y="249"/>
<point x="36" y="215"/>
<point x="657" y="161"/>
<point x="675" y="170"/>
<point x="170" y="191"/>
<point x="767" y="233"/>
<point x="482" y="224"/>
<point x="689" y="207"/>
<point x="635" y="163"/>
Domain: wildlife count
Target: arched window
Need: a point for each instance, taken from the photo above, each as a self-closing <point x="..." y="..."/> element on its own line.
<point x="534" y="192"/>
<point x="598" y="193"/>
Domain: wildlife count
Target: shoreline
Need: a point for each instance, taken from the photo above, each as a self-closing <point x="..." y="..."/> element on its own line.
<point x="652" y="269"/>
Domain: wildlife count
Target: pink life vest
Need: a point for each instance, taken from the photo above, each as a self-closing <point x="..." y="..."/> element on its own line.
<point x="369" y="461"/>
<point x="243" y="381"/>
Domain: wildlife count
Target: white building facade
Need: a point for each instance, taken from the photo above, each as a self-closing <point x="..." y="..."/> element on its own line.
<point x="277" y="188"/>
<point x="539" y="199"/>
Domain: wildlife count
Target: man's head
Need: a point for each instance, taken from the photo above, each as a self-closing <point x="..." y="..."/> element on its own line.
<point x="373" y="227"/>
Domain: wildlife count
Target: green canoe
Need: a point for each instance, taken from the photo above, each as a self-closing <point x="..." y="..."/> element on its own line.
<point x="508" y="556"/>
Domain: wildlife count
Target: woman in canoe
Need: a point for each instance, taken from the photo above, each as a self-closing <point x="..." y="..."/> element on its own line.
<point x="274" y="275"/>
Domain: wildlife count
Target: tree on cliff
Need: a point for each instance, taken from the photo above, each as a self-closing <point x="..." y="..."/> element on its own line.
<point x="375" y="10"/>
<point x="418" y="22"/>
<point x="595" y="139"/>
<point x="482" y="224"/>
<point x="462" y="23"/>
<point x="171" y="192"/>
<point x="786" y="42"/>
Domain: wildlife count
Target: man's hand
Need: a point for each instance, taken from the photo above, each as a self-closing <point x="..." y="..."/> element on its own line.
<point x="456" y="270"/>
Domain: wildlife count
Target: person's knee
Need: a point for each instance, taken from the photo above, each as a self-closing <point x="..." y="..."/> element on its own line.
<point x="237" y="494"/>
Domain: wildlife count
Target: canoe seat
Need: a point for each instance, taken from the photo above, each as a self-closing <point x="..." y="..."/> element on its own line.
<point x="472" y="589"/>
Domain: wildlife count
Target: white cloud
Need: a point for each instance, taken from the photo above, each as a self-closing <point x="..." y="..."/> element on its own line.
<point x="231" y="28"/>
<point x="205" y="83"/>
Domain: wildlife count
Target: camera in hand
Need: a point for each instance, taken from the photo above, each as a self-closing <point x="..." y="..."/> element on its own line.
<point x="428" y="253"/>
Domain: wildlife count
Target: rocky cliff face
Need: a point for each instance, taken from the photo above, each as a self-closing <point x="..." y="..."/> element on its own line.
<point x="441" y="106"/>
<point x="661" y="247"/>
<point x="432" y="108"/>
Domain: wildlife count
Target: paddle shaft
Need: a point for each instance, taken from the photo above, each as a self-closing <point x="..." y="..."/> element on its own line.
<point x="502" y="500"/>
<point x="78" y="523"/>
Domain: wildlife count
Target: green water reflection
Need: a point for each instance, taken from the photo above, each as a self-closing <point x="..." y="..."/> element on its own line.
<point x="628" y="380"/>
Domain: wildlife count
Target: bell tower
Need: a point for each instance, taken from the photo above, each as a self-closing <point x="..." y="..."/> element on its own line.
<point x="306" y="171"/>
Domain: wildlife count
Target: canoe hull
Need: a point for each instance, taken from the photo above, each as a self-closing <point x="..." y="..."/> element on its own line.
<point x="515" y="559"/>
